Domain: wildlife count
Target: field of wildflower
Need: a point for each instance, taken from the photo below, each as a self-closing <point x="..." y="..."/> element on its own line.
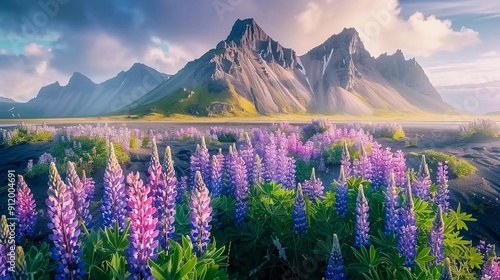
<point x="257" y="210"/>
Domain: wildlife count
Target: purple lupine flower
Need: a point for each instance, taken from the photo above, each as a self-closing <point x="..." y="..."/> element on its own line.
<point x="341" y="193"/>
<point x="201" y="215"/>
<point x="248" y="155"/>
<point x="113" y="198"/>
<point x="491" y="268"/>
<point x="398" y="166"/>
<point x="216" y="174"/>
<point x="423" y="183"/>
<point x="270" y="159"/>
<point x="362" y="228"/>
<point x="30" y="165"/>
<point x="381" y="160"/>
<point x="182" y="187"/>
<point x="446" y="272"/>
<point x="484" y="249"/>
<point x="346" y="160"/>
<point x="78" y="194"/>
<point x="4" y="272"/>
<point x="257" y="170"/>
<point x="299" y="212"/>
<point x="237" y="181"/>
<point x="362" y="167"/>
<point x="335" y="269"/>
<point x="321" y="165"/>
<point x="143" y="230"/>
<point x="64" y="227"/>
<point x="25" y="210"/>
<point x="154" y="171"/>
<point x="313" y="187"/>
<point x="407" y="229"/>
<point x="443" y="193"/>
<point x="200" y="161"/>
<point x="436" y="238"/>
<point x="88" y="186"/>
<point x="165" y="200"/>
<point x="391" y="203"/>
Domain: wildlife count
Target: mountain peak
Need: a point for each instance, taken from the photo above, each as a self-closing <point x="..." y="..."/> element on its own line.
<point x="246" y="32"/>
<point x="79" y="79"/>
<point x="349" y="31"/>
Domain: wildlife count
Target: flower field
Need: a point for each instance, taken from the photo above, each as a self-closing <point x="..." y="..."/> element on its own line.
<point x="259" y="209"/>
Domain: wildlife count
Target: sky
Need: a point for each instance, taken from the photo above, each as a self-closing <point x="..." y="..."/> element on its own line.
<point x="46" y="41"/>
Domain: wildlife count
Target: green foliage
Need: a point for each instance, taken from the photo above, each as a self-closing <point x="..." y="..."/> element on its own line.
<point x="145" y="141"/>
<point x="180" y="262"/>
<point x="133" y="142"/>
<point x="37" y="262"/>
<point x="303" y="169"/>
<point x="38" y="169"/>
<point x="21" y="136"/>
<point x="333" y="153"/>
<point x="458" y="167"/>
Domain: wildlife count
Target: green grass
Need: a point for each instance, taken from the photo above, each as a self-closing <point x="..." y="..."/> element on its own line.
<point x="458" y="167"/>
<point x="22" y="136"/>
<point x="133" y="142"/>
<point x="333" y="153"/>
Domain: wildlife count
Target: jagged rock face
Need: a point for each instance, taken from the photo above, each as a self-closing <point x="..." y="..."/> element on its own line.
<point x="82" y="97"/>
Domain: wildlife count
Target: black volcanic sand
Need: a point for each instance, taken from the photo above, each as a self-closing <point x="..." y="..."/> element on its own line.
<point x="481" y="188"/>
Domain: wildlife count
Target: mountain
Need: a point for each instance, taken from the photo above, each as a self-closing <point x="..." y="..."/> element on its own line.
<point x="81" y="97"/>
<point x="249" y="72"/>
<point x="6" y="100"/>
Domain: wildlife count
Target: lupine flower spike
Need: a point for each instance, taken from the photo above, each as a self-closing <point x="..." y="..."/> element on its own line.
<point x="446" y="273"/>
<point x="201" y="215"/>
<point x="165" y="200"/>
<point x="143" y="230"/>
<point x="21" y="271"/>
<point x="155" y="171"/>
<point x="391" y="203"/>
<point x="362" y="228"/>
<point x="335" y="269"/>
<point x="299" y="212"/>
<point x="78" y="193"/>
<point x="491" y="268"/>
<point x="113" y="198"/>
<point x="423" y="183"/>
<point x="64" y="226"/>
<point x="346" y="160"/>
<point x="407" y="229"/>
<point x="25" y="210"/>
<point x="216" y="174"/>
<point x="341" y="193"/>
<point x="313" y="187"/>
<point x="443" y="193"/>
<point x="436" y="238"/>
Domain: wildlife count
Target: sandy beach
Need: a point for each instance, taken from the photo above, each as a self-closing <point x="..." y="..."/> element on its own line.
<point x="479" y="189"/>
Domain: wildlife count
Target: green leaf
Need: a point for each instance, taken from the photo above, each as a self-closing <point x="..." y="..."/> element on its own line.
<point x="186" y="268"/>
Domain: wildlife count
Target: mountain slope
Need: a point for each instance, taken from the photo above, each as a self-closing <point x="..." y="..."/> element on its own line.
<point x="81" y="97"/>
<point x="336" y="77"/>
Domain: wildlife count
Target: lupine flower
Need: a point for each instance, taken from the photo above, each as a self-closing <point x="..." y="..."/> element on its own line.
<point x="299" y="212"/>
<point x="484" y="249"/>
<point x="362" y="167"/>
<point x="362" y="228"/>
<point x="154" y="171"/>
<point x="257" y="170"/>
<point x="322" y="165"/>
<point x="25" y="210"/>
<point x="182" y="187"/>
<point x="143" y="230"/>
<point x="346" y="160"/>
<point x="80" y="201"/>
<point x="238" y="183"/>
<point x="113" y="198"/>
<point x="165" y="200"/>
<point x="30" y="165"/>
<point x="381" y="161"/>
<point x="248" y="155"/>
<point x="216" y="174"/>
<point x="443" y="193"/>
<point x="423" y="183"/>
<point x="335" y="268"/>
<point x="201" y="215"/>
<point x="341" y="193"/>
<point x="491" y="269"/>
<point x="436" y="238"/>
<point x="21" y="270"/>
<point x="4" y="230"/>
<point x="391" y="203"/>
<point x="398" y="165"/>
<point x="313" y="187"/>
<point x="407" y="229"/>
<point x="285" y="171"/>
<point x="200" y="161"/>
<point x="446" y="272"/>
<point x="270" y="159"/>
<point x="4" y="273"/>
<point x="88" y="185"/>
<point x="64" y="226"/>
